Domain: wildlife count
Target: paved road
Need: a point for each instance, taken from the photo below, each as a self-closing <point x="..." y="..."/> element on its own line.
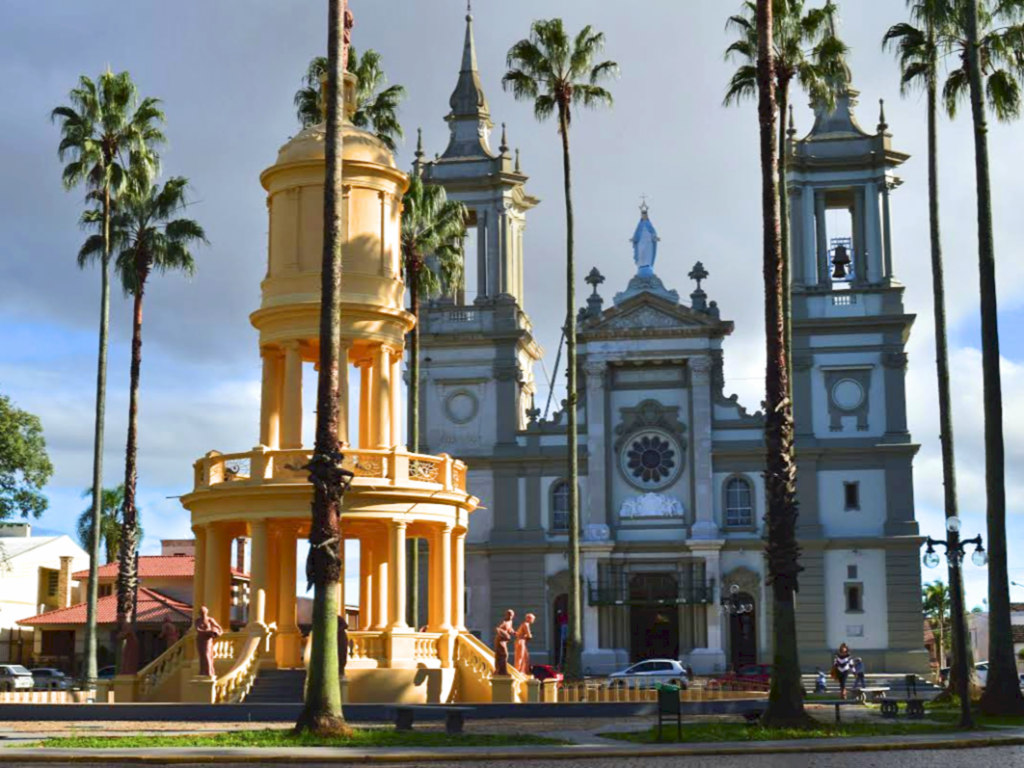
<point x="1004" y="757"/>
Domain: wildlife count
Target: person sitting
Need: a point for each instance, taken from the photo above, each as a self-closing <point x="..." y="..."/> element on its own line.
<point x="820" y="684"/>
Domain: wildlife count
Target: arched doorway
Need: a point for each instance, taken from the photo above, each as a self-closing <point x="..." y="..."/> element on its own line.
<point x="743" y="631"/>
<point x="654" y="617"/>
<point x="559" y="627"/>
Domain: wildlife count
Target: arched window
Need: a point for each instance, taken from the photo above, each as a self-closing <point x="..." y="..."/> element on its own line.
<point x="739" y="503"/>
<point x="560" y="506"/>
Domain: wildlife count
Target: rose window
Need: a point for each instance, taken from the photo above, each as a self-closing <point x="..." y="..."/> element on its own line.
<point x="651" y="460"/>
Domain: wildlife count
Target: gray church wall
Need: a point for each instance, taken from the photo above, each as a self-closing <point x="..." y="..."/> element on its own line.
<point x="865" y="518"/>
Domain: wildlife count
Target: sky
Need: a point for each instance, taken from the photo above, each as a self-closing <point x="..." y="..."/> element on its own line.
<point x="226" y="71"/>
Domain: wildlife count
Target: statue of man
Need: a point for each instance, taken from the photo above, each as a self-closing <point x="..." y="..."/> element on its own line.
<point x="350" y="21"/>
<point x="503" y="633"/>
<point x="207" y="632"/>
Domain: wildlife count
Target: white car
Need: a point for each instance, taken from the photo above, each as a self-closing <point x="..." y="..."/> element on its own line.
<point x="647" y="674"/>
<point x="14" y="677"/>
<point x="981" y="670"/>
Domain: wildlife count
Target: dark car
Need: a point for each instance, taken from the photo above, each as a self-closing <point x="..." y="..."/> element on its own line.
<point x="107" y="673"/>
<point x="544" y="672"/>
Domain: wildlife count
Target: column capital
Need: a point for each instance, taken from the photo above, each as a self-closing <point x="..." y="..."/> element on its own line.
<point x="292" y="345"/>
<point x="399" y="524"/>
<point x="701" y="368"/>
<point x="270" y="350"/>
<point x="596" y="369"/>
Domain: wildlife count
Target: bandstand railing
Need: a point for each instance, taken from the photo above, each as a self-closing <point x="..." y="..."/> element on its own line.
<point x="395" y="466"/>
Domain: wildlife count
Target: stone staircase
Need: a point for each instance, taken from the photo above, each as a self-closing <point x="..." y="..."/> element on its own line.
<point x="277" y="686"/>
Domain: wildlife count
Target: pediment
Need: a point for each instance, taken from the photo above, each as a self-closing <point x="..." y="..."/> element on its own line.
<point x="652" y="314"/>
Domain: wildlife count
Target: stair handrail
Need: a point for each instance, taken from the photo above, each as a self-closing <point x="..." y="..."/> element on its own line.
<point x="160" y="669"/>
<point x="481" y="658"/>
<point x="233" y="686"/>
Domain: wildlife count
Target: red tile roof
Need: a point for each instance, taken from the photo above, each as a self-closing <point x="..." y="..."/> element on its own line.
<point x="157" y="566"/>
<point x="154" y="608"/>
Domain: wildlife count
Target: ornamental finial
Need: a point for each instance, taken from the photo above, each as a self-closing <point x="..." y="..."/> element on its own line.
<point x="698" y="273"/>
<point x="882" y="125"/>
<point x="504" y="140"/>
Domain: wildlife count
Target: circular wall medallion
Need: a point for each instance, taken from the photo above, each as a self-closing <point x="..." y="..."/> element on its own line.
<point x="651" y="459"/>
<point x="847" y="394"/>
<point x="461" y="407"/>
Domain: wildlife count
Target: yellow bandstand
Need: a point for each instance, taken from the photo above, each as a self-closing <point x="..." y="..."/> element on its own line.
<point x="263" y="494"/>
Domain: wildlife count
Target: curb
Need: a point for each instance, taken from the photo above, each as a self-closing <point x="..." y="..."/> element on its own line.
<point x="352" y="756"/>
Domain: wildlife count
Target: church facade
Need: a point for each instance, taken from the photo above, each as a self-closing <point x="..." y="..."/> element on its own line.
<point x="671" y="493"/>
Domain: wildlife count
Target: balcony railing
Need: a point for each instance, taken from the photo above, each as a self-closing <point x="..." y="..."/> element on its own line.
<point x="650" y="593"/>
<point x="395" y="467"/>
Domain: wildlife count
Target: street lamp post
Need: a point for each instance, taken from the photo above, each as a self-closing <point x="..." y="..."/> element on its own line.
<point x="954" y="555"/>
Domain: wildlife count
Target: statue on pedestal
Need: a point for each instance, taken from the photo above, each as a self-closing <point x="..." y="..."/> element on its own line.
<point x="503" y="633"/>
<point x="169" y="633"/>
<point x="523" y="636"/>
<point x="350" y="22"/>
<point x="207" y="631"/>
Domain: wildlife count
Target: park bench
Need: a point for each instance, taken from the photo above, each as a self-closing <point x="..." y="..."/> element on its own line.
<point x="837" y="703"/>
<point x="454" y="717"/>
<point x="891" y="708"/>
<point x="871" y="693"/>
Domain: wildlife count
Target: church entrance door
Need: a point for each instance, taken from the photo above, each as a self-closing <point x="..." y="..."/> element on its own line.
<point x="743" y="634"/>
<point x="654" y="617"/>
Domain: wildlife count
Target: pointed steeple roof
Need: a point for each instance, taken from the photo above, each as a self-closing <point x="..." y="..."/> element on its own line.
<point x="468" y="99"/>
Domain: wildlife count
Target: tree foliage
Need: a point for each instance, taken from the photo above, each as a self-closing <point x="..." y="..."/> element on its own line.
<point x="110" y="521"/>
<point x="25" y="467"/>
<point x="377" y="103"/>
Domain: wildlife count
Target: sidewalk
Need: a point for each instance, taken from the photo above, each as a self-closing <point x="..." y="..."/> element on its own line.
<point x="583" y="749"/>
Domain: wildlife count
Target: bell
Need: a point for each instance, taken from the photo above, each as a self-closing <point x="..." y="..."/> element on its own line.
<point x="841" y="259"/>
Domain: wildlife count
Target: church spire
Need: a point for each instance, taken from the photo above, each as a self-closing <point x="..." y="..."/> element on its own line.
<point x="468" y="99"/>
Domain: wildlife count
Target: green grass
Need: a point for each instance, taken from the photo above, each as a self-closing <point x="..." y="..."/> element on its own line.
<point x="716" y="732"/>
<point x="283" y="738"/>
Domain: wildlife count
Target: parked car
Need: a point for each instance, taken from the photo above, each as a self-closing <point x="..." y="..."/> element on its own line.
<point x="14" y="677"/>
<point x="544" y="672"/>
<point x="981" y="670"/>
<point x="747" y="676"/>
<point x="50" y="679"/>
<point x="647" y="674"/>
<point x="107" y="673"/>
<point x="1022" y="680"/>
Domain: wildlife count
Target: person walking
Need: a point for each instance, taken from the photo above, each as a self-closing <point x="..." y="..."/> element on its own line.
<point x="842" y="666"/>
<point x="858" y="670"/>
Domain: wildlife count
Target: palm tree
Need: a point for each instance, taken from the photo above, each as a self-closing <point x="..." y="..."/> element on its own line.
<point x="785" y="700"/>
<point x="110" y="523"/>
<point x="558" y="72"/>
<point x="377" y="103"/>
<point x="433" y="234"/>
<point x="918" y="50"/>
<point x="807" y="51"/>
<point x="322" y="712"/>
<point x="152" y="239"/>
<point x="991" y="53"/>
<point x="936" y="597"/>
<point x="104" y="127"/>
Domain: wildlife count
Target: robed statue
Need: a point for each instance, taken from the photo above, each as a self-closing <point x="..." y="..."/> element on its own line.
<point x="207" y="632"/>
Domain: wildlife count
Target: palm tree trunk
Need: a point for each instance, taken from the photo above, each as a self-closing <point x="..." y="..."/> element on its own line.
<point x="91" y="669"/>
<point x="322" y="711"/>
<point x="787" y="280"/>
<point x="414" y="428"/>
<point x="785" y="703"/>
<point x="127" y="575"/>
<point x="959" y="679"/>
<point x="1002" y="691"/>
<point x="574" y="651"/>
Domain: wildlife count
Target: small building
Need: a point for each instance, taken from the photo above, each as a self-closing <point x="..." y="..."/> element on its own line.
<point x="977" y="626"/>
<point x="166" y="582"/>
<point x="35" y="578"/>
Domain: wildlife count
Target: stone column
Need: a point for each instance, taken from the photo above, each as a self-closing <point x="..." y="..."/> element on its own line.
<point x="591" y="629"/>
<point x="887" y="229"/>
<point x="459" y="580"/>
<point x="445" y="580"/>
<point x="381" y="566"/>
<point x="396" y="574"/>
<point x="860" y="245"/>
<point x="199" y="580"/>
<point x="217" y="581"/>
<point x="596" y="476"/>
<point x="382" y="382"/>
<point x="270" y="398"/>
<point x="704" y="526"/>
<point x="872" y="233"/>
<point x="273" y="566"/>
<point x="291" y="406"/>
<point x="482" y="235"/>
<point x="396" y="400"/>
<point x="796" y="242"/>
<point x="289" y="645"/>
<point x="824" y="271"/>
<point x="365" y="403"/>
<point x="260" y="563"/>
<point x="365" y="583"/>
<point x="343" y="394"/>
<point x="809" y="252"/>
